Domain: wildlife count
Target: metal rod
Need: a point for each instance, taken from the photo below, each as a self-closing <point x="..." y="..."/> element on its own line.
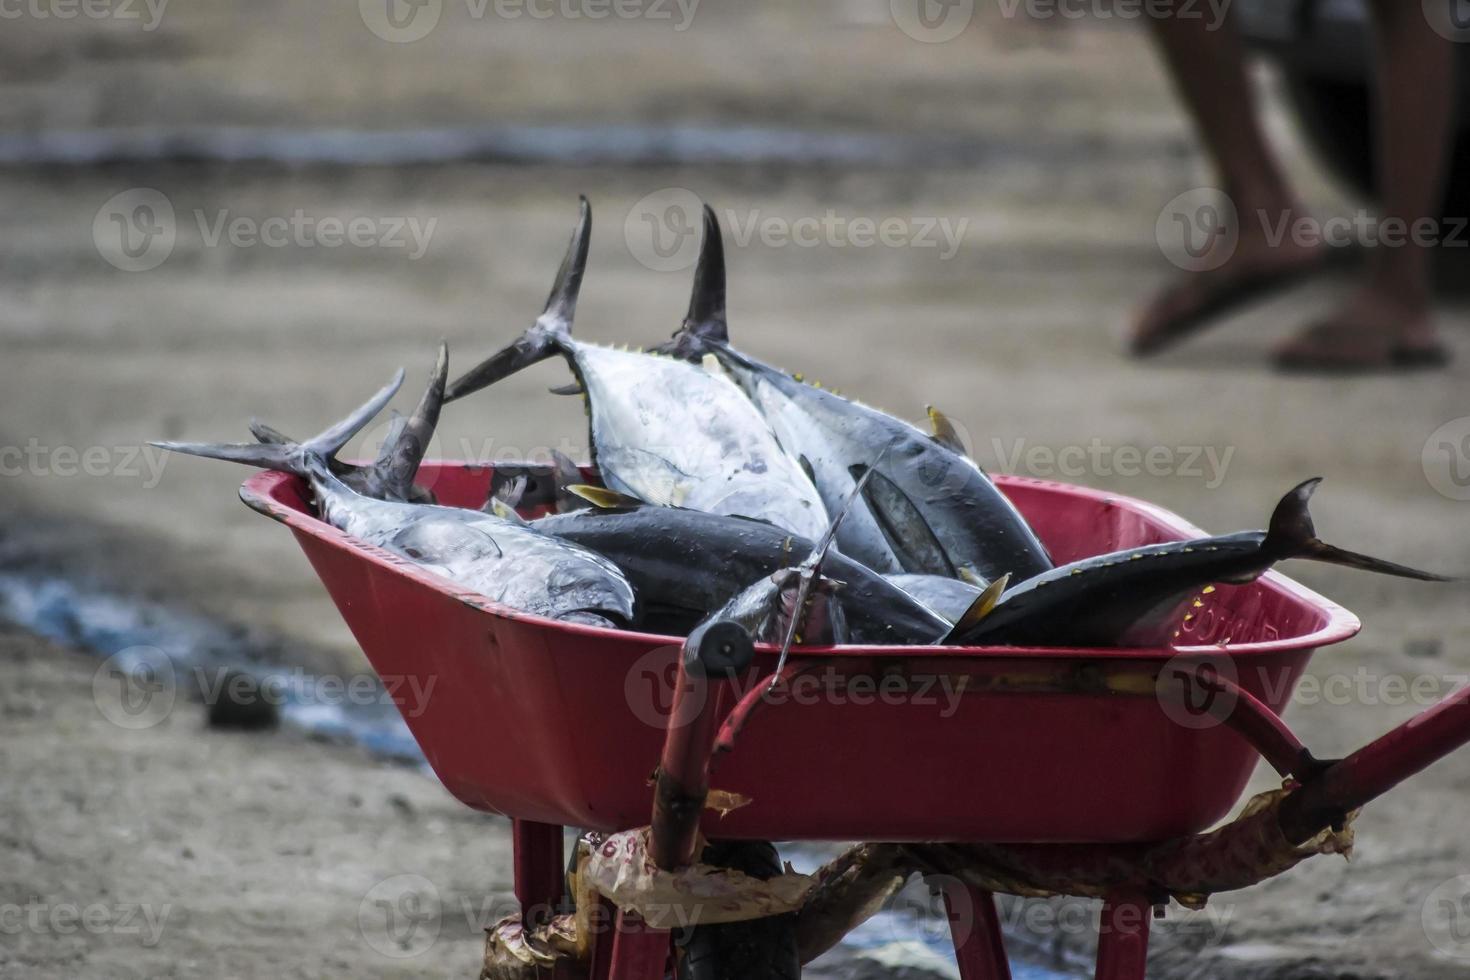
<point x="974" y="927"/>
<point x="713" y="651"/>
<point x="1122" y="942"/>
<point x="1377" y="768"/>
<point x="540" y="871"/>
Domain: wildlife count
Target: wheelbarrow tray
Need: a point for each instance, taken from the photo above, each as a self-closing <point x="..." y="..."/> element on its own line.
<point x="563" y="724"/>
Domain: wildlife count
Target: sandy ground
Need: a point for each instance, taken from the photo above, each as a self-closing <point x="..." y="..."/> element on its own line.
<point x="1015" y="335"/>
<point x="169" y="849"/>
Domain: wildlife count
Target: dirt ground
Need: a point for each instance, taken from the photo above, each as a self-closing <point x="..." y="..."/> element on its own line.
<point x="1078" y="146"/>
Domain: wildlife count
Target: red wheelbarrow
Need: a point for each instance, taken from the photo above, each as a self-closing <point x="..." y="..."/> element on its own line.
<point x="1033" y="771"/>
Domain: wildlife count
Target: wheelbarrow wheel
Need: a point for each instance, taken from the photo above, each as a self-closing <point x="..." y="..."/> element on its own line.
<point x="759" y="949"/>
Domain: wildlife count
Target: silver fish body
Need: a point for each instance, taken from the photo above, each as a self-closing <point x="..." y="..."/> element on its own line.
<point x="675" y="434"/>
<point x="503" y="559"/>
<point x="513" y="564"/>
<point x="663" y="430"/>
<point x="925" y="509"/>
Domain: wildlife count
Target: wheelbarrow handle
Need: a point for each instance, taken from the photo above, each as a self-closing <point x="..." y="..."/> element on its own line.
<point x="1377" y="767"/>
<point x="713" y="653"/>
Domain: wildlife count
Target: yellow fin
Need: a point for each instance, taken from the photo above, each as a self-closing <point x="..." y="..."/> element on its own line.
<point x="603" y="497"/>
<point x="980" y="608"/>
<point x="968" y="574"/>
<point x="505" y="511"/>
<point x="944" y="431"/>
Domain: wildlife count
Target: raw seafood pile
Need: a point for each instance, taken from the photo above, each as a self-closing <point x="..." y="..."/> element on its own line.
<point x="733" y="491"/>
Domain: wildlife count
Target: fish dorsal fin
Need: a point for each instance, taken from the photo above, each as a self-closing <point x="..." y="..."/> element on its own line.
<point x="981" y="607"/>
<point x="604" y="498"/>
<point x="944" y="431"/>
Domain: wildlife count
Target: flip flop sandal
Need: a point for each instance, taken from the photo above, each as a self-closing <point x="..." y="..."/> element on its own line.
<point x="1243" y="292"/>
<point x="1391" y="357"/>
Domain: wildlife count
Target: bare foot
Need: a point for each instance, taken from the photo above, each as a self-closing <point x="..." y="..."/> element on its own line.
<point x="1255" y="268"/>
<point x="1374" y="331"/>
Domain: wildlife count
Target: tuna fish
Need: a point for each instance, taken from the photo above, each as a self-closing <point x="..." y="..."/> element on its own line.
<point x="928" y="509"/>
<point x="950" y="597"/>
<point x="1134" y="596"/>
<point x="665" y="431"/>
<point x="686" y="564"/>
<point x="506" y="561"/>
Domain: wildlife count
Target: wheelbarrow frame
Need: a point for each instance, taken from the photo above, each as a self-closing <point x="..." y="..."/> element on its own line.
<point x="1123" y="688"/>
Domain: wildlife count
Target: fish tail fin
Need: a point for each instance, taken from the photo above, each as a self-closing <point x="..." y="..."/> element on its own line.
<point x="1291" y="534"/>
<point x="267" y="434"/>
<point x="706" y="322"/>
<point x="302" y="459"/>
<point x="552" y="329"/>
<point x="408" y="439"/>
<point x="706" y="318"/>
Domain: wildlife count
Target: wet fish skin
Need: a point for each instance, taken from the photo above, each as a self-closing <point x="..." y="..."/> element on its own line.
<point x="1133" y="596"/>
<point x="666" y="431"/>
<point x="687" y="564"/>
<point x="929" y="509"/>
<point x="508" y="562"/>
<point x="950" y="597"/>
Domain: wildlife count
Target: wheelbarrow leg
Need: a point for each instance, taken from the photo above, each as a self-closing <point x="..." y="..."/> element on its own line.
<point x="979" y="947"/>
<point x="1122" y="943"/>
<point x="638" y="952"/>
<point x="540" y="871"/>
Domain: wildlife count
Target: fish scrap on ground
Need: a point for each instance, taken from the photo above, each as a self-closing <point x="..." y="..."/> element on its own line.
<point x="734" y="492"/>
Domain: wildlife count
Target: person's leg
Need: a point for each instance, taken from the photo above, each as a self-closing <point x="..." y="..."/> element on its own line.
<point x="1207" y="62"/>
<point x="1389" y="317"/>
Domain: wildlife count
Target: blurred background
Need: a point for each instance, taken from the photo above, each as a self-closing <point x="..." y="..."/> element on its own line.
<point x="215" y="211"/>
